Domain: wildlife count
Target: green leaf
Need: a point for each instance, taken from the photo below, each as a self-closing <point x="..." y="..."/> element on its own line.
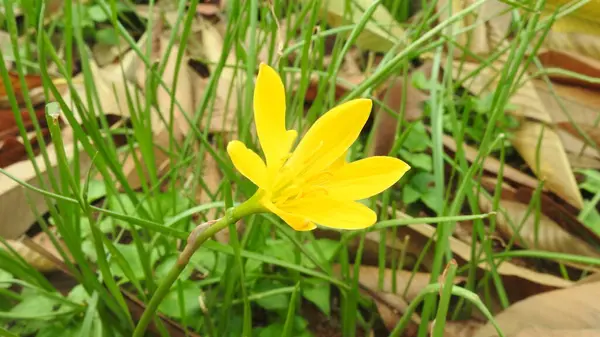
<point x="107" y="36"/>
<point x="283" y="250"/>
<point x="273" y="302"/>
<point x="409" y="194"/>
<point x="433" y="200"/>
<point x="273" y="330"/>
<point x="209" y="261"/>
<point x="170" y="305"/>
<point x="591" y="182"/>
<point x="5" y="278"/>
<point x="325" y="246"/>
<point x="58" y="329"/>
<point x="418" y="160"/>
<point x="35" y="305"/>
<point x="417" y="139"/>
<point x="422" y="182"/>
<point x="131" y="256"/>
<point x="96" y="190"/>
<point x="79" y="295"/>
<point x="319" y="293"/>
<point x="96" y="13"/>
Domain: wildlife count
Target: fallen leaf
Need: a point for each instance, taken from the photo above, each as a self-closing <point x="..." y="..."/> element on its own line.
<point x="516" y="222"/>
<point x="583" y="162"/>
<point x="16" y="202"/>
<point x="408" y="284"/>
<point x="490" y="163"/>
<point x="525" y="282"/>
<point x="38" y="261"/>
<point x="562" y="213"/>
<point x="563" y="309"/>
<point x="576" y="32"/>
<point x="591" y="131"/>
<point x="554" y="167"/>
<point x="571" y="62"/>
<point x="381" y="31"/>
<point x="538" y="331"/>
<point x="33" y="84"/>
<point x="581" y="104"/>
<point x="397" y="100"/>
<point x="231" y="81"/>
<point x="466" y="328"/>
<point x="481" y="31"/>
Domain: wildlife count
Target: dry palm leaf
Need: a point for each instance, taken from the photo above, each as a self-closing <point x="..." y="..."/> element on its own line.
<point x="554" y="167"/>
<point x="572" y="308"/>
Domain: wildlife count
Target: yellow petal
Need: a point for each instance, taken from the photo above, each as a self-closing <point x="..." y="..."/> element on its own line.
<point x="366" y="177"/>
<point x="269" y="113"/>
<point x="330" y="137"/>
<point x="247" y="162"/>
<point x="339" y="163"/>
<point x="297" y="223"/>
<point x="331" y="213"/>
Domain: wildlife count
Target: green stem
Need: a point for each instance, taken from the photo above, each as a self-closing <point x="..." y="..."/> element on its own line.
<point x="197" y="237"/>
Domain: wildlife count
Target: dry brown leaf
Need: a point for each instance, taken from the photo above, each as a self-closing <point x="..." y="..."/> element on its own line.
<point x="580" y="43"/>
<point x="386" y="124"/>
<point x="572" y="62"/>
<point x="409" y="289"/>
<point x="16" y="201"/>
<point x="34" y="84"/>
<point x="572" y="308"/>
<point x="537" y="331"/>
<point x="581" y="104"/>
<point x="554" y="168"/>
<point x="381" y="32"/>
<point x="462" y="328"/>
<point x="35" y="259"/>
<point x="583" y="162"/>
<point x="547" y="236"/>
<point x="535" y="281"/>
<point x="112" y="87"/>
<point x="481" y="31"/>
<point x="231" y="80"/>
<point x="491" y="164"/>
<point x="592" y="132"/>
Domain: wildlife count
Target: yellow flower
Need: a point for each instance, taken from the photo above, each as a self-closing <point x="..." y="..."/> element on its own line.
<point x="314" y="183"/>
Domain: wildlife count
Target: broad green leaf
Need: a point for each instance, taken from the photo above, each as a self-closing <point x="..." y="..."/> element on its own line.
<point x="271" y="302"/>
<point x="319" y="293"/>
<point x="170" y="305"/>
<point x="420" y="160"/>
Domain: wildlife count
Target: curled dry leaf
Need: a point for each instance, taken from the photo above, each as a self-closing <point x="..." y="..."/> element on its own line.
<point x="491" y="164"/>
<point x="591" y="131"/>
<point x="16" y="201"/>
<point x="33" y="83"/>
<point x="381" y="32"/>
<point x="521" y="281"/>
<point x="538" y="331"/>
<point x="578" y="32"/>
<point x="583" y="65"/>
<point x="514" y="220"/>
<point x="399" y="95"/>
<point x="209" y="47"/>
<point x="481" y="31"/>
<point x="581" y="104"/>
<point x="28" y="249"/>
<point x="572" y="308"/>
<point x="555" y="168"/>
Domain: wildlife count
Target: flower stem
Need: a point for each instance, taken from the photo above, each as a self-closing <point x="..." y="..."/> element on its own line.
<point x="196" y="238"/>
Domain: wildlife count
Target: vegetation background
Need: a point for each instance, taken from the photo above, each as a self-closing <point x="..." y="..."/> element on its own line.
<point x="114" y="117"/>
